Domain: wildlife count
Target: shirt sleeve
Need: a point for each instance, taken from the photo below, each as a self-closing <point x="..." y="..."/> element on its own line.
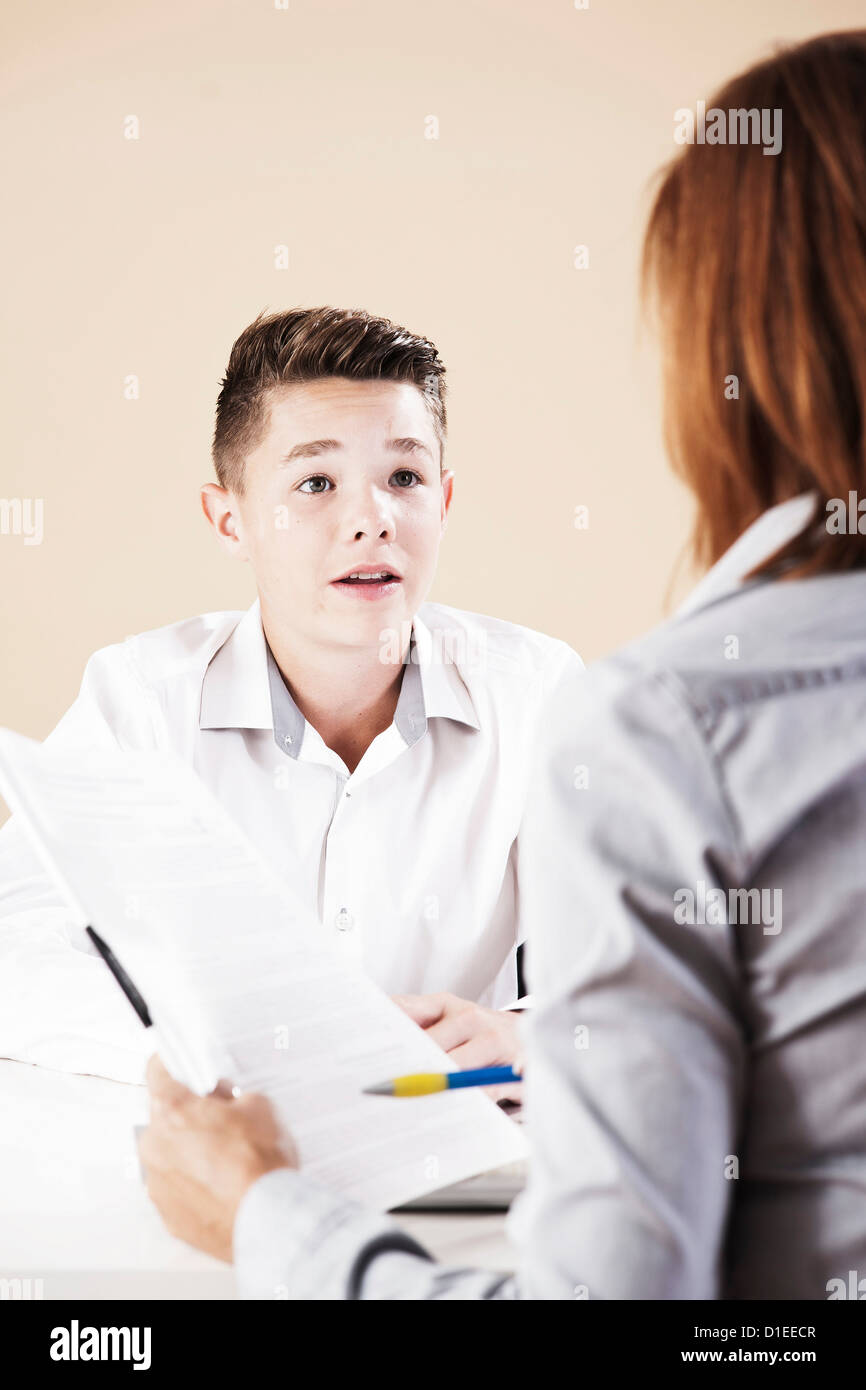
<point x="59" y="1005"/>
<point x="636" y="1053"/>
<point x="559" y="686"/>
<point x="294" y="1239"/>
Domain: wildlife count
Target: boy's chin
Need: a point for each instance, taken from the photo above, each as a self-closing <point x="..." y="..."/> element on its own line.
<point x="372" y="624"/>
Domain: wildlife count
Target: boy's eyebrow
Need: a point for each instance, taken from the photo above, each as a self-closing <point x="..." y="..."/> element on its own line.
<point x="312" y="448"/>
<point x="408" y="445"/>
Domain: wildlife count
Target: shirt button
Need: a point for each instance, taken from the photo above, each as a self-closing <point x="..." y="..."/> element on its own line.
<point x="287" y="740"/>
<point x="344" y="921"/>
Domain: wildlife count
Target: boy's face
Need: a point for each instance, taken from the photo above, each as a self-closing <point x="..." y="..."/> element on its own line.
<point x="346" y="479"/>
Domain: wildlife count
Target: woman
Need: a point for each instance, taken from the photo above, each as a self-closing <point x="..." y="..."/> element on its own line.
<point x="696" y="1095"/>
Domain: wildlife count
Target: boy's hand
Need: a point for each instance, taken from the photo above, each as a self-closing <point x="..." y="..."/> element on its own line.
<point x="471" y="1035"/>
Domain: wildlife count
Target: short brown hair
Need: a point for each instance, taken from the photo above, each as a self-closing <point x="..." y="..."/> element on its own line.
<point x="303" y="345"/>
<point x="757" y="266"/>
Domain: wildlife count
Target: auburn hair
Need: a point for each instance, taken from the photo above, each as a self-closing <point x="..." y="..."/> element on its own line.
<point x="756" y="267"/>
<point x="304" y="345"/>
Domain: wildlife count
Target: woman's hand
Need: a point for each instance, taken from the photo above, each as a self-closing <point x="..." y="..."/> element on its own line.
<point x="201" y="1153"/>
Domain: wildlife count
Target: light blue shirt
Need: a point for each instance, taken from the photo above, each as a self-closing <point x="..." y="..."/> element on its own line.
<point x="694" y="874"/>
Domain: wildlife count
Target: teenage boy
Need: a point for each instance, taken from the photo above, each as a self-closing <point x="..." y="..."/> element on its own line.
<point x="375" y="747"/>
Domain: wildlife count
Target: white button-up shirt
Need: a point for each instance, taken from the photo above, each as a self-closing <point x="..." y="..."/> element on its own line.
<point x="411" y="862"/>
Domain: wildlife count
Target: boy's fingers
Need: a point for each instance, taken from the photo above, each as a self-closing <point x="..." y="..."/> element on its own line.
<point x="423" y="1009"/>
<point x="480" y="1051"/>
<point x="454" y="1029"/>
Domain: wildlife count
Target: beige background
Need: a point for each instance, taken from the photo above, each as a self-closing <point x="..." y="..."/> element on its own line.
<point x="305" y="126"/>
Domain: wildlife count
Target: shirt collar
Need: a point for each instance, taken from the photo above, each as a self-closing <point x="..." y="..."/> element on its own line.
<point x="773" y="529"/>
<point x="244" y="689"/>
<point x="446" y="695"/>
<point x="234" y="691"/>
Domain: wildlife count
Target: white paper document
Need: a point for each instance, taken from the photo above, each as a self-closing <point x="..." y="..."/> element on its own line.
<point x="239" y="976"/>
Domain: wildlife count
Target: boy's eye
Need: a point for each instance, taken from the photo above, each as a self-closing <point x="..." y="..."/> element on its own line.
<point x="404" y="477"/>
<point x="314" y="484"/>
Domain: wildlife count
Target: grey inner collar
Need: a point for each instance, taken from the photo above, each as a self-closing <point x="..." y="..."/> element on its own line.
<point x="410" y="715"/>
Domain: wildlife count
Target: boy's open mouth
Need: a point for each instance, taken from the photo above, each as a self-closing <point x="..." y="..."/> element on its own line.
<point x="380" y="577"/>
<point x="369" y="581"/>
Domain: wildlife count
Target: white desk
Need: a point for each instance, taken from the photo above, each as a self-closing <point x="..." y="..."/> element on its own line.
<point x="74" y="1213"/>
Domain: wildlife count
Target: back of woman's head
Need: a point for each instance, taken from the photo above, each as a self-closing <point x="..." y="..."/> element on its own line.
<point x="757" y="266"/>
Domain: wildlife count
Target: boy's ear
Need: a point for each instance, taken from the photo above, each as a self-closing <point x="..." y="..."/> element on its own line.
<point x="447" y="493"/>
<point x="220" y="508"/>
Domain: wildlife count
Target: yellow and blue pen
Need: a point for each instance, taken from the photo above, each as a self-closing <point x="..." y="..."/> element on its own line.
<point x="426" y="1083"/>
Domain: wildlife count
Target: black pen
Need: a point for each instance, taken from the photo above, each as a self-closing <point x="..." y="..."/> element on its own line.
<point x="121" y="977"/>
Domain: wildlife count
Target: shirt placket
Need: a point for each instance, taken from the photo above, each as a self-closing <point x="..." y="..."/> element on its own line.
<point x="341" y="915"/>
